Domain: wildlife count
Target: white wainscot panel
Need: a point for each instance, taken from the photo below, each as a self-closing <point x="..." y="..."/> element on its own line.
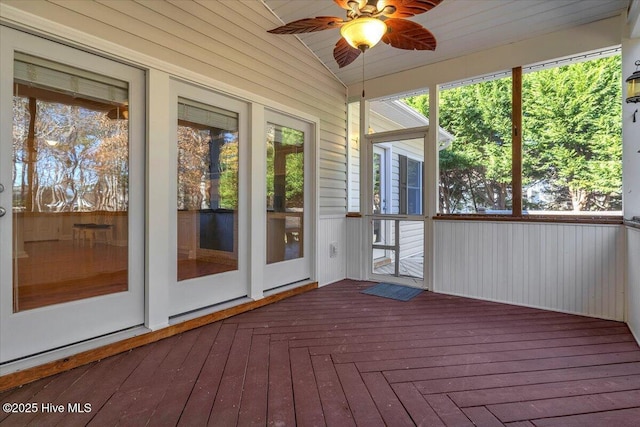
<point x="633" y="281"/>
<point x="572" y="268"/>
<point x="331" y="249"/>
<point x="355" y="256"/>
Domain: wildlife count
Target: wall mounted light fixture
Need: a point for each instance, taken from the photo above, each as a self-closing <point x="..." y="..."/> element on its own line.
<point x="633" y="85"/>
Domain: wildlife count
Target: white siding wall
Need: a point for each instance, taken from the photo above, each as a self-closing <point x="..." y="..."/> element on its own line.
<point x="355" y="256"/>
<point x="564" y="267"/>
<point x="332" y="231"/>
<point x="633" y="281"/>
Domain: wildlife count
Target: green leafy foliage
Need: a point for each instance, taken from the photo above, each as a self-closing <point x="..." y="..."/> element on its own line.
<point x="572" y="142"/>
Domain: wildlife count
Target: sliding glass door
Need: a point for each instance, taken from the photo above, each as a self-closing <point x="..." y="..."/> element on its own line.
<point x="211" y="198"/>
<point x="288" y="200"/>
<point x="71" y="196"/>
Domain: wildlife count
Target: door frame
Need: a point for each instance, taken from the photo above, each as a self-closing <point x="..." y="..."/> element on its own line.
<point x="38" y="330"/>
<point x="290" y="272"/>
<point x="428" y="177"/>
<point x="200" y="292"/>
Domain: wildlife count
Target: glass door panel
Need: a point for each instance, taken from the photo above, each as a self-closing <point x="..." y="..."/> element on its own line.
<point x="285" y="193"/>
<point x="211" y="198"/>
<point x="207" y="190"/>
<point x="288" y="198"/>
<point x="70" y="184"/>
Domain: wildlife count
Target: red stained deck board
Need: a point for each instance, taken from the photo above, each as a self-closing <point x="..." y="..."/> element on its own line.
<point x="441" y="367"/>
<point x="334" y="402"/>
<point x="480" y="416"/>
<point x="448" y="412"/>
<point x="122" y="403"/>
<point x="400" y="342"/>
<point x="200" y="402"/>
<point x="227" y="404"/>
<point x="552" y="347"/>
<point x="155" y="390"/>
<point x="97" y="386"/>
<point x="618" y="418"/>
<point x="417" y="407"/>
<point x="280" y="396"/>
<point x="524" y="378"/>
<point x="49" y="392"/>
<point x="305" y="390"/>
<point x="347" y="343"/>
<point x="361" y="404"/>
<point x="253" y="408"/>
<point x="547" y="408"/>
<point x="388" y="404"/>
<point x="170" y="409"/>
<point x="545" y="391"/>
<point x="558" y="323"/>
<point x="375" y="323"/>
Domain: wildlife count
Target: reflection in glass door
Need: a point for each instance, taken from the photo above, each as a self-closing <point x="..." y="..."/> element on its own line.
<point x="70" y="185"/>
<point x="211" y="198"/>
<point x="285" y="193"/>
<point x="288" y="197"/>
<point x="207" y="190"/>
<point x="72" y="166"/>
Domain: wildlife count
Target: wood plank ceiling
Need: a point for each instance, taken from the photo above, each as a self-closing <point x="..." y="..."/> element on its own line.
<point x="460" y="26"/>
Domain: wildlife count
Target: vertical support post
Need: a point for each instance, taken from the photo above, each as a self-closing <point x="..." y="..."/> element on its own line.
<point x="516" y="141"/>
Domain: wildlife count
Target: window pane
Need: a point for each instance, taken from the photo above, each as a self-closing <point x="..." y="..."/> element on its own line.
<point x="414" y="187"/>
<point x="70" y="183"/>
<point x="207" y="190"/>
<point x="285" y="193"/>
<point x="475" y="169"/>
<point x="397" y="178"/>
<point x="572" y="138"/>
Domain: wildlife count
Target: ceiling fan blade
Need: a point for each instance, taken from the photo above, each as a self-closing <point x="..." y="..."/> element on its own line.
<point x="345" y="3"/>
<point x="344" y="53"/>
<point x="405" y="34"/>
<point x="309" y="25"/>
<point x="406" y="8"/>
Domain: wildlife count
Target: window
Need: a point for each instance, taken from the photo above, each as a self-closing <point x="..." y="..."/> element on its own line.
<point x="571" y="140"/>
<point x="410" y="183"/>
<point x="475" y="169"/>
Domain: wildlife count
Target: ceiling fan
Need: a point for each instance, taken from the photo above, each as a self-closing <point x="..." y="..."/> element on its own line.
<point x="367" y="22"/>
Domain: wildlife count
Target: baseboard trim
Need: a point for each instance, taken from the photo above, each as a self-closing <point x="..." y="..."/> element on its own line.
<point x="28" y="375"/>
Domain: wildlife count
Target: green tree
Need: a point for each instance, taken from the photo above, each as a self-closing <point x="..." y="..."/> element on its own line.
<point x="573" y="136"/>
<point x="475" y="170"/>
<point x="572" y="143"/>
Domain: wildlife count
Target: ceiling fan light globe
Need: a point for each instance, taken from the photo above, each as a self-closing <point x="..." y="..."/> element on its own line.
<point x="364" y="32"/>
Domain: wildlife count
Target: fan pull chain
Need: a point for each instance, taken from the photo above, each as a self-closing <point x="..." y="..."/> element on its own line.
<point x="363" y="75"/>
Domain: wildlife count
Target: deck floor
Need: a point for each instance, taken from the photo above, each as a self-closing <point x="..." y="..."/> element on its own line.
<point x="336" y="357"/>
